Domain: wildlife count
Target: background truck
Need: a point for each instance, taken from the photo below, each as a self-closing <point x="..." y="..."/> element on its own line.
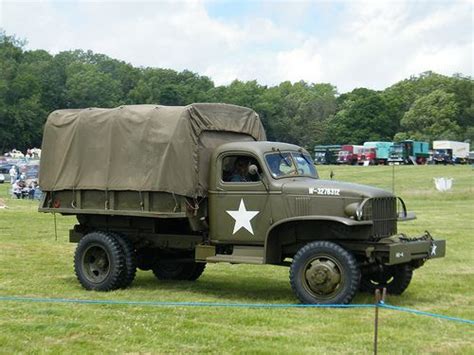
<point x="170" y="189"/>
<point x="450" y="152"/>
<point x="409" y="152"/>
<point x="348" y="154"/>
<point x="375" y="153"/>
<point x="326" y="154"/>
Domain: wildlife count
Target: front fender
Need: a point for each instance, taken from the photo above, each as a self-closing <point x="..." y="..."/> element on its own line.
<point x="347" y="221"/>
<point x="272" y="247"/>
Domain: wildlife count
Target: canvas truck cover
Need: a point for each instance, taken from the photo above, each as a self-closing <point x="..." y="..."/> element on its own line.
<point x="140" y="147"/>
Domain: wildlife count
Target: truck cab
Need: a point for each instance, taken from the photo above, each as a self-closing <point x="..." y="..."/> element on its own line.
<point x="348" y="154"/>
<point x="409" y="152"/>
<point x="280" y="209"/>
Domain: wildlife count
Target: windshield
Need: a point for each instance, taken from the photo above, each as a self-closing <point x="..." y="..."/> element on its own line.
<point x="290" y="164"/>
<point x="396" y="149"/>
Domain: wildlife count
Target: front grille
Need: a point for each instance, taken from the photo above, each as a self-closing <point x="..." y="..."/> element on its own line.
<point x="383" y="212"/>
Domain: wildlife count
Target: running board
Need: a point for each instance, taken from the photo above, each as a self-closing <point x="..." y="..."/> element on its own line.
<point x="240" y="255"/>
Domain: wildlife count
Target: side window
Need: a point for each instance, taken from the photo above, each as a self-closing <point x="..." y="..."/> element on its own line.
<point x="235" y="168"/>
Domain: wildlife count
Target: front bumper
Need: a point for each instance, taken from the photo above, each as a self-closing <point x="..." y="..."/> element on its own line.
<point x="400" y="249"/>
<point x="408" y="250"/>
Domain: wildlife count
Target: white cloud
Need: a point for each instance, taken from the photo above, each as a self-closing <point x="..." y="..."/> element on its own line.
<point x="375" y="45"/>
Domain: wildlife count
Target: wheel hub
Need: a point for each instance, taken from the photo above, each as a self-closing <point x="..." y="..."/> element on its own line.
<point x="96" y="264"/>
<point x="323" y="276"/>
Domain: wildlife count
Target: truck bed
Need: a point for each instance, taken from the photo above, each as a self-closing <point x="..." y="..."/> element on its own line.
<point x="125" y="203"/>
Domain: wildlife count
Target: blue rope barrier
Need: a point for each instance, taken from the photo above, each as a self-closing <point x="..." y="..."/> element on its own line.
<point x="429" y="314"/>
<point x="183" y="304"/>
<point x="229" y="305"/>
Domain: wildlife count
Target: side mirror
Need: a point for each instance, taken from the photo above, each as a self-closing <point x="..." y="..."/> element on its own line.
<point x="253" y="170"/>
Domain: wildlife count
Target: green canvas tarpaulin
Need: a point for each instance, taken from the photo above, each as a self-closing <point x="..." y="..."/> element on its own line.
<point x="140" y="147"/>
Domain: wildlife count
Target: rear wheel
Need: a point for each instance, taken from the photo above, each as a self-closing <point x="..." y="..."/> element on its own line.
<point x="394" y="278"/>
<point x="99" y="262"/>
<point x="324" y="273"/>
<point x="178" y="271"/>
<point x="128" y="273"/>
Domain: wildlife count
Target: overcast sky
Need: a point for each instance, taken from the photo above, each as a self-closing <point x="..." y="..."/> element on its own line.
<point x="347" y="43"/>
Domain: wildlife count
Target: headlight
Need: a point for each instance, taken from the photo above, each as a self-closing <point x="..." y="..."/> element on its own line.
<point x="358" y="210"/>
<point x="353" y="210"/>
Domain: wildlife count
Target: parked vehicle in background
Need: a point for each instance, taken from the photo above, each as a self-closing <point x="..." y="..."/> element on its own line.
<point x="450" y="152"/>
<point x="409" y="152"/>
<point x="30" y="169"/>
<point x="349" y="154"/>
<point x="5" y="168"/>
<point x="374" y="153"/>
<point x="326" y="154"/>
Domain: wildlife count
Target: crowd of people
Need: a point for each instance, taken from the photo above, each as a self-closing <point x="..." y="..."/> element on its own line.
<point x="20" y="188"/>
<point x="22" y="168"/>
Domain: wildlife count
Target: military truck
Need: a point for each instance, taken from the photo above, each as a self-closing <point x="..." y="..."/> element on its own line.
<point x="169" y="189"/>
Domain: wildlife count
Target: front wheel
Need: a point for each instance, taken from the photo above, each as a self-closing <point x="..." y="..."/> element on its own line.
<point x="394" y="278"/>
<point x="324" y="273"/>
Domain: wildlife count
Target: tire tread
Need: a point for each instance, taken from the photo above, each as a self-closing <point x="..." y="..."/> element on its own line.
<point x="353" y="271"/>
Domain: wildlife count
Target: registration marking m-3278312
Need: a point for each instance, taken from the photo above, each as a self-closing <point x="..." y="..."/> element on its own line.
<point x="324" y="191"/>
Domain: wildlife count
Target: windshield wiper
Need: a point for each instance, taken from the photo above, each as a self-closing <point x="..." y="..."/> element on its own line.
<point x="304" y="157"/>
<point x="283" y="157"/>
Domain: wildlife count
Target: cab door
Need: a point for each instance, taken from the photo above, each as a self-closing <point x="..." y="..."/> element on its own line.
<point x="240" y="210"/>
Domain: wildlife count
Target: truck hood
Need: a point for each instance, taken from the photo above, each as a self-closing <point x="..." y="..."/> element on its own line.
<point x="314" y="187"/>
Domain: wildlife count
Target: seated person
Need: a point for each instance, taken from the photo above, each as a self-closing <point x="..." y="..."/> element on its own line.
<point x="16" y="189"/>
<point x="241" y="170"/>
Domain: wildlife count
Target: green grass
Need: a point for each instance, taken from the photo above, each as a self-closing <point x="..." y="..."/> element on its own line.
<point x="34" y="264"/>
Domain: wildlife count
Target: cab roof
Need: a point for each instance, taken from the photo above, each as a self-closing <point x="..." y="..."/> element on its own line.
<point x="258" y="148"/>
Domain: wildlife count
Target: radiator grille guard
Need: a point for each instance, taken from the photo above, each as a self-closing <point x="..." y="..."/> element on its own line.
<point x="383" y="212"/>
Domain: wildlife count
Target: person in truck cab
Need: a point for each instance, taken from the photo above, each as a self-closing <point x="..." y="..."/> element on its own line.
<point x="241" y="170"/>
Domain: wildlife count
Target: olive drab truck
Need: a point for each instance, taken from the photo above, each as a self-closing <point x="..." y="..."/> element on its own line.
<point x="169" y="189"/>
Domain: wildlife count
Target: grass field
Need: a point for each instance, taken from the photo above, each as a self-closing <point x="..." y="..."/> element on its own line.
<point x="34" y="264"/>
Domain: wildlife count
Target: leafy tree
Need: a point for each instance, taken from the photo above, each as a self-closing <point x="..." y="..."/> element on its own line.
<point x="88" y="87"/>
<point x="363" y="115"/>
<point x="34" y="83"/>
<point x="432" y="117"/>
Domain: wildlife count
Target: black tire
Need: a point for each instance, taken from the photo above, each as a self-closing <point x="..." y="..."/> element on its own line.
<point x="178" y="271"/>
<point x="146" y="258"/>
<point x="198" y="270"/>
<point x="99" y="262"/>
<point x="394" y="278"/>
<point x="129" y="271"/>
<point x="324" y="273"/>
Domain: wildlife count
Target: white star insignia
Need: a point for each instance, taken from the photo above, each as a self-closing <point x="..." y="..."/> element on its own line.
<point x="242" y="218"/>
<point x="433" y="250"/>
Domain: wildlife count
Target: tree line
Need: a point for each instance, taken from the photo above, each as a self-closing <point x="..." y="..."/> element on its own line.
<point x="33" y="83"/>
